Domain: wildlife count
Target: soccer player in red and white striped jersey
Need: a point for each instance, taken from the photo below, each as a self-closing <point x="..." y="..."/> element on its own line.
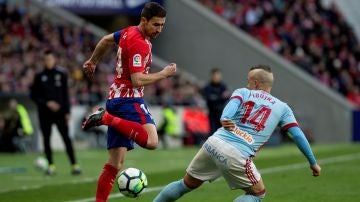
<point x="126" y="115"/>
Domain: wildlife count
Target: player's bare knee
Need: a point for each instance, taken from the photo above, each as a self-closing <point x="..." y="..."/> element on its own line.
<point x="260" y="194"/>
<point x="152" y="145"/>
<point x="257" y="189"/>
<point x="191" y="182"/>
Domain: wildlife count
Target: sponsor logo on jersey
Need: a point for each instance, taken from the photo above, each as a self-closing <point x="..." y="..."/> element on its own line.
<point x="243" y="135"/>
<point x="137" y="60"/>
<point x="212" y="151"/>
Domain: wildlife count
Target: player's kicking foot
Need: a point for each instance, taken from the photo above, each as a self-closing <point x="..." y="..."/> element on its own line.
<point x="94" y="119"/>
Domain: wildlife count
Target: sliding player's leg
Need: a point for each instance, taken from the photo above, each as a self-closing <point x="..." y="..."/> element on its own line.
<point x="241" y="173"/>
<point x="177" y="189"/>
<point x="202" y="168"/>
<point x="253" y="194"/>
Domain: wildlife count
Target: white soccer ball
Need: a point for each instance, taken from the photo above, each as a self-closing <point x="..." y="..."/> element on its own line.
<point x="131" y="182"/>
<point x="41" y="163"/>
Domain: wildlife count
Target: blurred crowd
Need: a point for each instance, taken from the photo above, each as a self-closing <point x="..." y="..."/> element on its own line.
<point x="317" y="39"/>
<point x="25" y="36"/>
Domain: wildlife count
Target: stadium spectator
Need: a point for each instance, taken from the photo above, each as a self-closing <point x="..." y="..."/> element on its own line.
<point x="230" y="150"/>
<point x="50" y="93"/>
<point x="315" y="38"/>
<point x="216" y="95"/>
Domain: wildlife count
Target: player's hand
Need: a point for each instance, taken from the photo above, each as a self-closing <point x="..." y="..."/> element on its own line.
<point x="89" y="69"/>
<point x="228" y="124"/>
<point x="170" y="69"/>
<point x="53" y="106"/>
<point x="316" y="170"/>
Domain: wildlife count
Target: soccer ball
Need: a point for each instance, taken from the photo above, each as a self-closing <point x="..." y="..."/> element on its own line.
<point x="41" y="163"/>
<point x="131" y="182"/>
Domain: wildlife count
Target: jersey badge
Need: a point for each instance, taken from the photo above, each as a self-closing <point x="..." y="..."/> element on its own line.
<point x="137" y="60"/>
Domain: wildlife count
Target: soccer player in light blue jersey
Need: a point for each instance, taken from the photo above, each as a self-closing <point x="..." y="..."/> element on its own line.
<point x="248" y="120"/>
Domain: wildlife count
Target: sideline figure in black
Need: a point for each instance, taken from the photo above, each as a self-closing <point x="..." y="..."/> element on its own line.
<point x="216" y="95"/>
<point x="50" y="93"/>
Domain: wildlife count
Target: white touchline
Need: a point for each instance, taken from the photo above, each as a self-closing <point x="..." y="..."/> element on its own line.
<point x="77" y="181"/>
<point x="275" y="169"/>
<point x="118" y="195"/>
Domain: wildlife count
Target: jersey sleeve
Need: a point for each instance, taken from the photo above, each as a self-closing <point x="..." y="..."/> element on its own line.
<point x="240" y="94"/>
<point x="138" y="51"/>
<point x="234" y="103"/>
<point x="117" y="36"/>
<point x="302" y="143"/>
<point x="288" y="119"/>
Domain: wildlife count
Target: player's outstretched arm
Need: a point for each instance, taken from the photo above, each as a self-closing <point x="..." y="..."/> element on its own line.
<point x="316" y="169"/>
<point x="140" y="79"/>
<point x="104" y="44"/>
<point x="300" y="140"/>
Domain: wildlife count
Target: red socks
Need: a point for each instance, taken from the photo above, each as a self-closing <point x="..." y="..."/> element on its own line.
<point x="105" y="182"/>
<point x="129" y="129"/>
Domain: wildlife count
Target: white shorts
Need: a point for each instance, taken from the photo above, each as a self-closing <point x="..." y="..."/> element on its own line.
<point x="218" y="158"/>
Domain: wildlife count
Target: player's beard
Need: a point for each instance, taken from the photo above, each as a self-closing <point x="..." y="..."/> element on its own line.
<point x="155" y="35"/>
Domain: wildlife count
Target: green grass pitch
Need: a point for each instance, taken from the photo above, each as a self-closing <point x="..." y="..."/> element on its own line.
<point x="284" y="170"/>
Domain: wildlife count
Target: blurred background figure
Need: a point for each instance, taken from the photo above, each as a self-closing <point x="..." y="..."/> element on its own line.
<point x="9" y="125"/>
<point x="50" y="93"/>
<point x="216" y="95"/>
<point x="169" y="129"/>
<point x="196" y="125"/>
<point x="15" y="127"/>
<point x="23" y="117"/>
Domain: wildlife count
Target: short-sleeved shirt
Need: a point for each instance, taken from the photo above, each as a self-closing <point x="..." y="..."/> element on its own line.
<point x="133" y="55"/>
<point x="256" y="118"/>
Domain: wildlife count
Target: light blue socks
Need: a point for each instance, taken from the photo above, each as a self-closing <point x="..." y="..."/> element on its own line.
<point x="172" y="192"/>
<point x="249" y="198"/>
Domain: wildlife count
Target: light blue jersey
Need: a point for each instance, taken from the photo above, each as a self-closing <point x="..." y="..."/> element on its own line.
<point x="256" y="114"/>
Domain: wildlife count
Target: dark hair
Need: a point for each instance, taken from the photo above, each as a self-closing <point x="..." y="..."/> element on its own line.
<point x="153" y="9"/>
<point x="215" y="70"/>
<point x="263" y="67"/>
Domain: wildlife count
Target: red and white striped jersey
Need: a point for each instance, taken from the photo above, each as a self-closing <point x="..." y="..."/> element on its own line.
<point x="133" y="55"/>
